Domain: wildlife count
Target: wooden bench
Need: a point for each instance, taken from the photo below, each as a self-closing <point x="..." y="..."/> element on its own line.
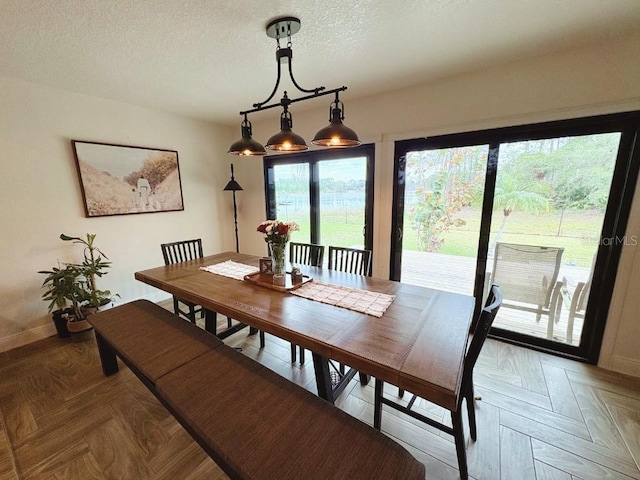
<point x="252" y="422"/>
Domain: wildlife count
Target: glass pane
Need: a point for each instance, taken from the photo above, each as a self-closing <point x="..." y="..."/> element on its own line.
<point x="342" y="201"/>
<point x="549" y="207"/>
<point x="443" y="205"/>
<point x="292" y="197"/>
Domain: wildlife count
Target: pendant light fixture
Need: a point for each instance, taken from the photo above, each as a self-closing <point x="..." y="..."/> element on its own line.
<point x="335" y="135"/>
<point x="246" y="145"/>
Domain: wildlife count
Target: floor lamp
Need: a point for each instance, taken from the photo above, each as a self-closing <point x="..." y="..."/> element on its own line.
<point x="234" y="187"/>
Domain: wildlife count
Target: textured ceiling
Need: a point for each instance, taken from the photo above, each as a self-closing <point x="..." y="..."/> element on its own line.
<point x="210" y="59"/>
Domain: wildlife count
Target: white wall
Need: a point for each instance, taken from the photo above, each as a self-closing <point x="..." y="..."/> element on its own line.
<point x="600" y="79"/>
<point x="41" y="197"/>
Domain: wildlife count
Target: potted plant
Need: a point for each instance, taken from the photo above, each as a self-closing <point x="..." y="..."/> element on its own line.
<point x="71" y="288"/>
<point x="59" y="283"/>
<point x="93" y="265"/>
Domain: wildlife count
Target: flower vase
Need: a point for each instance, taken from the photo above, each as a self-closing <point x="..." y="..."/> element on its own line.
<point x="277" y="253"/>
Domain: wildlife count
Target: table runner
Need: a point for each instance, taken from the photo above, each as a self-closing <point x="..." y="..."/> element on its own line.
<point x="364" y="301"/>
<point x="231" y="269"/>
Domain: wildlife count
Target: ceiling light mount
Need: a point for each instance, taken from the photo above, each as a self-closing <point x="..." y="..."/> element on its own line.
<point x="286" y="140"/>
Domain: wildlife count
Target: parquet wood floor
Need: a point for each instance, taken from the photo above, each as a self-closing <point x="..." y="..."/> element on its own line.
<point x="540" y="417"/>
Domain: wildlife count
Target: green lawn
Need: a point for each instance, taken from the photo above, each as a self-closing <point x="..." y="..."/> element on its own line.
<point x="579" y="233"/>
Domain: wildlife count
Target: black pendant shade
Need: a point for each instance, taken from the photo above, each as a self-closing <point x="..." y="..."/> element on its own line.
<point x="335" y="135"/>
<point x="286" y="140"/>
<point x="246" y="145"/>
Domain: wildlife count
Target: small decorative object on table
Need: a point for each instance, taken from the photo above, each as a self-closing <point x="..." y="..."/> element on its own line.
<point x="296" y="275"/>
<point x="266" y="265"/>
<point x="276" y="234"/>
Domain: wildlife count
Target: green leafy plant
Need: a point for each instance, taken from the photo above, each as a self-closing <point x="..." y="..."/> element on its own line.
<point x="93" y="265"/>
<point x="74" y="284"/>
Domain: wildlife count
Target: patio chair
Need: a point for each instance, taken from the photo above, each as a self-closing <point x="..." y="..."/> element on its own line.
<point x="304" y="254"/>
<point x="576" y="294"/>
<point x="528" y="277"/>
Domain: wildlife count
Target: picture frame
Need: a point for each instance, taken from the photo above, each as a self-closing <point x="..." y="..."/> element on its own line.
<point x="266" y="265"/>
<point x="124" y="179"/>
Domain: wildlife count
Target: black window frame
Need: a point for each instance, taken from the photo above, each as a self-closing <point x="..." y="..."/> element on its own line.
<point x="312" y="158"/>
<point x="616" y="216"/>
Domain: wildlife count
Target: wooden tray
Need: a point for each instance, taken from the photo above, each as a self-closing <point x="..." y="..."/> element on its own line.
<point x="266" y="280"/>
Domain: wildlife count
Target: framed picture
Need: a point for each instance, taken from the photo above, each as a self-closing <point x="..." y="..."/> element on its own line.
<point x="121" y="180"/>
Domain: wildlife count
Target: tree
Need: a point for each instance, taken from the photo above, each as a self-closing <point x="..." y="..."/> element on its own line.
<point x="443" y="181"/>
<point x="512" y="193"/>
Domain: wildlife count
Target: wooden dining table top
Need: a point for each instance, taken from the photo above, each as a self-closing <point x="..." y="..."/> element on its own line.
<point x="418" y="344"/>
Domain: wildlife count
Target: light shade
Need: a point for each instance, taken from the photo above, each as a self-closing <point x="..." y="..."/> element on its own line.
<point x="336" y="134"/>
<point x="233" y="186"/>
<point x="286" y="140"/>
<point x="246" y="145"/>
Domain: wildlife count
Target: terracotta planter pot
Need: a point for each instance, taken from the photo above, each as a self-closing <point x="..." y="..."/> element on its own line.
<point x="75" y="326"/>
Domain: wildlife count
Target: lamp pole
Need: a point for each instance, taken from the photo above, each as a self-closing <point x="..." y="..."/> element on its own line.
<point x="234" y="187"/>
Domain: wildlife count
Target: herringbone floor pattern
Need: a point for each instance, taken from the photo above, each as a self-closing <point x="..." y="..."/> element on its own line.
<point x="539" y="417"/>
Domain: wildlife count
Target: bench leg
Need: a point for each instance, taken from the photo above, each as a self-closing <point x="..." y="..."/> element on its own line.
<point x="107" y="356"/>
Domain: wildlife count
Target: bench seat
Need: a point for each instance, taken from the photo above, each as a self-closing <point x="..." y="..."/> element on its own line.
<point x="254" y="423"/>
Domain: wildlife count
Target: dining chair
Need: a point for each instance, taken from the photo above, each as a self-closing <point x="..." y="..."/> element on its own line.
<point x="479" y="335"/>
<point x="350" y="260"/>
<point x="182" y="251"/>
<point x="304" y="254"/>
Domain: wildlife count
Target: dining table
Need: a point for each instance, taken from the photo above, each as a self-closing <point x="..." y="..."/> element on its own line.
<point x="418" y="343"/>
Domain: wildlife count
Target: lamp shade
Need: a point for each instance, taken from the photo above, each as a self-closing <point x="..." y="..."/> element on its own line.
<point x="233" y="186"/>
<point x="246" y="145"/>
<point x="286" y="140"/>
<point x="336" y="134"/>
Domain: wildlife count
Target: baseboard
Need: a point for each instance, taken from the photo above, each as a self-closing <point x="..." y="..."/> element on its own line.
<point x="26" y="337"/>
<point x="628" y="366"/>
<point x="48" y="330"/>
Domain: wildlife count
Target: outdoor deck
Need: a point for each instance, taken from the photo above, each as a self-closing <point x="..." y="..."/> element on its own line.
<point x="456" y="274"/>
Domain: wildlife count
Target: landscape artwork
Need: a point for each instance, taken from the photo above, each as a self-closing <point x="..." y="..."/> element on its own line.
<point x="121" y="180"/>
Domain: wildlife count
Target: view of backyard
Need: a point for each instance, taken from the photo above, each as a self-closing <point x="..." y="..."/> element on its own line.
<point x="548" y="193"/>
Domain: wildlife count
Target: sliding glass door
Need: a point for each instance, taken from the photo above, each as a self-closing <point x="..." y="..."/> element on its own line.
<point x="440" y="223"/>
<point x="329" y="193"/>
<point x="540" y="210"/>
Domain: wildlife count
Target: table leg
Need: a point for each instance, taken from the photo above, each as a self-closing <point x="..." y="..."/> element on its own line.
<point x="323" y="377"/>
<point x="210" y="321"/>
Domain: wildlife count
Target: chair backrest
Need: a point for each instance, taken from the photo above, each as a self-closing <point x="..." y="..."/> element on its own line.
<point x="350" y="260"/>
<point x="526" y="273"/>
<point x="181" y="251"/>
<point x="482" y="326"/>
<point x="581" y="303"/>
<point x="306" y="254"/>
